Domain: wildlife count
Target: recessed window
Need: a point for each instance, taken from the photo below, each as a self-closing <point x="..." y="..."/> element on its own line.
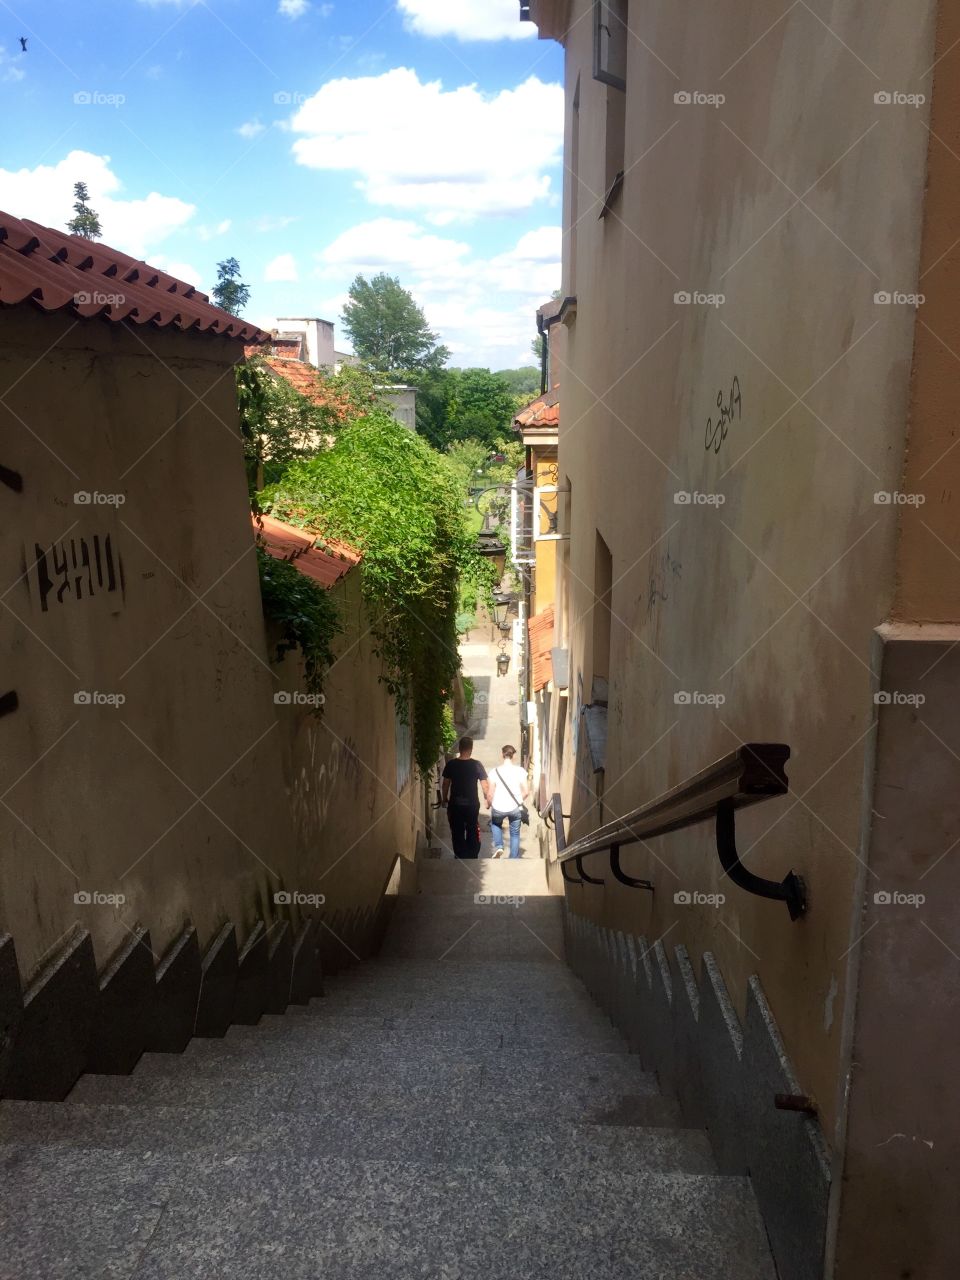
<point x="610" y="43"/>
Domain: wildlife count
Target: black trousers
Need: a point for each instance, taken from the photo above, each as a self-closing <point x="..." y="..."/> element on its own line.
<point x="465" y="829"/>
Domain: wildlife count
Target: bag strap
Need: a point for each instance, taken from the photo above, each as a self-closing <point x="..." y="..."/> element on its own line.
<point x="509" y="788"/>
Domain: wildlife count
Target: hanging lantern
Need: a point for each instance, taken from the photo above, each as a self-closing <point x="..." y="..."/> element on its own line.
<point x="503" y="662"/>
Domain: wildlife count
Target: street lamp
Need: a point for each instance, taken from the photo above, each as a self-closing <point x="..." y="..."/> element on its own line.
<point x="503" y="660"/>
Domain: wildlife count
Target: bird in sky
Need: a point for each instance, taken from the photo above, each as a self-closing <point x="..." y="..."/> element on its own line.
<point x="23" y="44"/>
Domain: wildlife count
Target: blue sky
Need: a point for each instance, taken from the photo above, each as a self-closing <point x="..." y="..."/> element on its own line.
<point x="310" y="141"/>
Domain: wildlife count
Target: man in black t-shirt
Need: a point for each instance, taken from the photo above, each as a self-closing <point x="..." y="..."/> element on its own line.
<point x="459" y="794"/>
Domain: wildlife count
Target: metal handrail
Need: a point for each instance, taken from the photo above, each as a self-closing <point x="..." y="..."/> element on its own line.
<point x="752" y="773"/>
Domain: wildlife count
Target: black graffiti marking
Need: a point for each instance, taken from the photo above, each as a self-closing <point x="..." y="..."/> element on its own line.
<point x="665" y="571"/>
<point x="716" y="432"/>
<point x="73" y="569"/>
<point x="8" y="702"/>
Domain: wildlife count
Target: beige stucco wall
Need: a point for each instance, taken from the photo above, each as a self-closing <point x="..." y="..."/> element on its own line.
<point x="178" y="798"/>
<point x="354" y="796"/>
<point x="770" y="600"/>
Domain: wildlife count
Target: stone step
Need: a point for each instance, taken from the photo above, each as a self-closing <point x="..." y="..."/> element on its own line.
<point x="73" y="1212"/>
<point x="448" y="877"/>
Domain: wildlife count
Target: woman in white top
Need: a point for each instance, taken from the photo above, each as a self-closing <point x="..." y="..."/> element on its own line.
<point x="509" y="787"/>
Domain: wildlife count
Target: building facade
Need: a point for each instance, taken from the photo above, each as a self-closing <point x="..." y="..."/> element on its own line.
<point x="757" y="377"/>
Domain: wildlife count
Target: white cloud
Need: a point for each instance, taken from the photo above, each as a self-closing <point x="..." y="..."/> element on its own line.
<point x="326" y="10"/>
<point x="210" y="233"/>
<point x="251" y="128"/>
<point x="482" y="308"/>
<point x="293" y="8"/>
<point x="282" y="267"/>
<point x="133" y="226"/>
<point x="456" y="154"/>
<point x="10" y="67"/>
<point x="466" y="19"/>
<point x="182" y="270"/>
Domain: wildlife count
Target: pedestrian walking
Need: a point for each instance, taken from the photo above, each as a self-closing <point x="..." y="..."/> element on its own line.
<point x="458" y="791"/>
<point x="510" y="789"/>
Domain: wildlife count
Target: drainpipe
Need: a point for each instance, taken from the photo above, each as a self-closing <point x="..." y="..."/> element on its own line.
<point x="544" y="339"/>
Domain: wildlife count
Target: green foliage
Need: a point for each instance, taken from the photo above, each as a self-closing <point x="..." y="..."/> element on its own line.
<point x="464" y="404"/>
<point x="230" y="292"/>
<point x="84" y="222"/>
<point x="388" y="330"/>
<point x="304" y="612"/>
<point x="524" y="383"/>
<point x="385" y="490"/>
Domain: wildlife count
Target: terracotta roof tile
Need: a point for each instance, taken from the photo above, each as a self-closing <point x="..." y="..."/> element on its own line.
<point x="540" y="632"/>
<point x="542" y="412"/>
<point x="56" y="271"/>
<point x="307" y="379"/>
<point x="326" y="565"/>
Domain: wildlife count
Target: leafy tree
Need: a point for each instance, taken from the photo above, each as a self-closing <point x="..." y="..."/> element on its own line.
<point x="524" y="383"/>
<point x="385" y="490"/>
<point x="84" y="222"/>
<point x="464" y="404"/>
<point x="387" y="327"/>
<point x="230" y="292"/>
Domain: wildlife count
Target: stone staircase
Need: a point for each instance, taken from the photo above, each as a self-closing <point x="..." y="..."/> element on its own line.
<point x="458" y="1107"/>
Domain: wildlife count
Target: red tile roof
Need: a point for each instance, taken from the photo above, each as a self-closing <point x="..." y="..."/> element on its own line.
<point x="542" y="412"/>
<point x="540" y="631"/>
<point x="308" y="381"/>
<point x="56" y="271"/>
<point x="326" y="564"/>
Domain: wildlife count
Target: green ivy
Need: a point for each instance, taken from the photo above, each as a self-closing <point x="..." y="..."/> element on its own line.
<point x="305" y="613"/>
<point x="386" y="491"/>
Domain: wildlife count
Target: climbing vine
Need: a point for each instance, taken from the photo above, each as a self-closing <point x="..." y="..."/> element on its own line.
<point x="305" y="614"/>
<point x="386" y="491"/>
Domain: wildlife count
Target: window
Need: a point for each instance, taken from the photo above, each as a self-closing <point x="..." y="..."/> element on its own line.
<point x="610" y="68"/>
<point x="610" y="43"/>
<point x="602" y="593"/>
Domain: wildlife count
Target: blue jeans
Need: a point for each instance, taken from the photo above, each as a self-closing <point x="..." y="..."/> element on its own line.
<point x="496" y="827"/>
